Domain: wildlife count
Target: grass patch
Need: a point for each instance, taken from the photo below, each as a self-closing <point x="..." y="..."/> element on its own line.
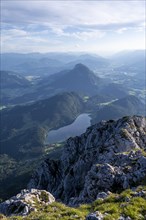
<point x="114" y="206"/>
<point x="136" y="209"/>
<point x="56" y="211"/>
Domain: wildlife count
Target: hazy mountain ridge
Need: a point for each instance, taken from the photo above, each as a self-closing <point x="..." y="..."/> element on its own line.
<point x="113" y="77"/>
<point x="93" y="62"/>
<point x="48" y="63"/>
<point x="129" y="57"/>
<point x="80" y="79"/>
<point x="131" y="61"/>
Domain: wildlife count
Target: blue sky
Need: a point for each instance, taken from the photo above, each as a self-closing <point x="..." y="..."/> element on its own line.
<point x="94" y="26"/>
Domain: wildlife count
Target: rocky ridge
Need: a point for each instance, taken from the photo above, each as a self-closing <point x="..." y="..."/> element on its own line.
<point x="109" y="156"/>
<point x="94" y="168"/>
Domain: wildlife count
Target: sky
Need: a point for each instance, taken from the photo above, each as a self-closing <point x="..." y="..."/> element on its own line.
<point x="97" y="26"/>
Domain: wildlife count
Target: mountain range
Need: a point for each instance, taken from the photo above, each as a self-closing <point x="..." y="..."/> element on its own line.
<point x="80" y="79"/>
<point x="41" y="93"/>
<point x="49" y="63"/>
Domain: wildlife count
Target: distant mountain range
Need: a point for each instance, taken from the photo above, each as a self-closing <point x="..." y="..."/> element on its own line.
<point x="58" y="72"/>
<point x="92" y="62"/>
<point x="129" y="57"/>
<point x="80" y="79"/>
<point x="133" y="61"/>
<point x="49" y="63"/>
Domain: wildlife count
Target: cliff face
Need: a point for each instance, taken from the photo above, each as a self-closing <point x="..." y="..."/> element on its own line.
<point x="109" y="156"/>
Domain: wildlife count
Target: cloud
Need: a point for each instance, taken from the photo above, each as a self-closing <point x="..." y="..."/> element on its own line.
<point x="122" y="30"/>
<point x="65" y="13"/>
<point x="87" y="35"/>
<point x="63" y="24"/>
<point x="21" y="40"/>
<point x="81" y="35"/>
<point x="13" y="33"/>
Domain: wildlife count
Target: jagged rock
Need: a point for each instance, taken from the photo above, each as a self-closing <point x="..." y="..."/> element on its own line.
<point x="102" y="195"/>
<point x="109" y="156"/>
<point x="24" y="202"/>
<point x="95" y="216"/>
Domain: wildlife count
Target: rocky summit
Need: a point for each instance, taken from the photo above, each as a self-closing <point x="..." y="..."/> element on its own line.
<point x="109" y="157"/>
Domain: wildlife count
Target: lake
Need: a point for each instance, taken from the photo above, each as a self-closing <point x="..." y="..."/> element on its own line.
<point x="76" y="128"/>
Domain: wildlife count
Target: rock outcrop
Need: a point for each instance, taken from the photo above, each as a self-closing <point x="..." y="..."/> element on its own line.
<point x="98" y="216"/>
<point x="25" y="202"/>
<point x="109" y="156"/>
<point x="95" y="216"/>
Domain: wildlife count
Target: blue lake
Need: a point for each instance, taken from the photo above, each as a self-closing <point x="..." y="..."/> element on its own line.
<point x="76" y="128"/>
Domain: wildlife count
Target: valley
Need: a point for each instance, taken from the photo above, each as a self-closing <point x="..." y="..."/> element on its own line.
<point x="41" y="108"/>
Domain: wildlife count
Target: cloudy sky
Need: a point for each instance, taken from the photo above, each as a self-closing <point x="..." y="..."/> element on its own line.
<point x="72" y="25"/>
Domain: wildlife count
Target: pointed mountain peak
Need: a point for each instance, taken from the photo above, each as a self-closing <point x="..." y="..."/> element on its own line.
<point x="82" y="67"/>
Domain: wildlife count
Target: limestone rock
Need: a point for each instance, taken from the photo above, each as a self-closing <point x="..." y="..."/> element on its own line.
<point x="95" y="216"/>
<point x="108" y="156"/>
<point x="24" y="202"/>
<point x="102" y="195"/>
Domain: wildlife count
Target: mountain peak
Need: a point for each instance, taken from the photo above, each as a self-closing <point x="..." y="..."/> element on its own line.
<point x="81" y="67"/>
<point x="80" y="79"/>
